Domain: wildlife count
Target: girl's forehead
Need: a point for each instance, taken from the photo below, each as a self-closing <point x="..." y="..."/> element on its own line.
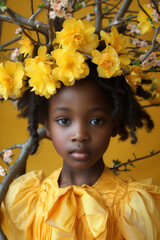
<point x="84" y="91"/>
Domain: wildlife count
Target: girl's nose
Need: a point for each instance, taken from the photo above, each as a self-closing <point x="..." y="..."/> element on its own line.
<point x="80" y="133"/>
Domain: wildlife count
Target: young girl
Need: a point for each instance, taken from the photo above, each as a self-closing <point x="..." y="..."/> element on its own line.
<point x="83" y="199"/>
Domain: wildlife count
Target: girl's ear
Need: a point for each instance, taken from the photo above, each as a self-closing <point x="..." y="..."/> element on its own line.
<point x="47" y="129"/>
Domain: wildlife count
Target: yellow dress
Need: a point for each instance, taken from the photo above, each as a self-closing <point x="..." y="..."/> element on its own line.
<point x="35" y="208"/>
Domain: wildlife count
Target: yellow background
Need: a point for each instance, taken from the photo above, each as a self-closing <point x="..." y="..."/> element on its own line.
<point x="14" y="130"/>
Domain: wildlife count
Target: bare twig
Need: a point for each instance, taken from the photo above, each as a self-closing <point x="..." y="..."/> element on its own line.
<point x="32" y="40"/>
<point x="35" y="14"/>
<point x="114" y="6"/>
<point x="98" y="14"/>
<point x="17" y="18"/>
<point x="144" y="10"/>
<point x="7" y="49"/>
<point x="135" y="160"/>
<point x="124" y="7"/>
<point x="119" y="23"/>
<point x="153" y="45"/>
<point x="156" y="7"/>
<point x="151" y="105"/>
<point x="50" y="27"/>
<point x="12" y="147"/>
<point x="19" y="164"/>
<point x="32" y="10"/>
<point x="10" y="42"/>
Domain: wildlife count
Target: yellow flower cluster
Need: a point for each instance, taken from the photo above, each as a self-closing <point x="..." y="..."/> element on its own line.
<point x="39" y="70"/>
<point x="67" y="62"/>
<point x="135" y="77"/>
<point x="11" y="78"/>
<point x="77" y="36"/>
<point x="26" y="46"/>
<point x="114" y="56"/>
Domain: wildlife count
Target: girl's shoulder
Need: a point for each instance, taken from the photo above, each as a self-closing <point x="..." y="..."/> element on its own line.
<point x="116" y="192"/>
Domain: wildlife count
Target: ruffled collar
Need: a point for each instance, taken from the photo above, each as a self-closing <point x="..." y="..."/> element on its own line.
<point x="64" y="208"/>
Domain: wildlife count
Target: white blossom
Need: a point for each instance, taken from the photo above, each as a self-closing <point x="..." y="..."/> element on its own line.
<point x="2" y="171"/>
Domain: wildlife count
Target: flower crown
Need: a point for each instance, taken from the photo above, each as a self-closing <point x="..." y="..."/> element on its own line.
<point x="43" y="70"/>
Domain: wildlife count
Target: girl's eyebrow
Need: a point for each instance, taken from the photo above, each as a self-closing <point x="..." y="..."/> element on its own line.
<point x="105" y="110"/>
<point x="61" y="109"/>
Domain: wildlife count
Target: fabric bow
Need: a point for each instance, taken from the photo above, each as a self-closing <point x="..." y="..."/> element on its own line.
<point x="72" y="204"/>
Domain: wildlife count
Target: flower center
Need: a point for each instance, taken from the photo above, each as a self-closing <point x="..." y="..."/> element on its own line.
<point x="74" y="39"/>
<point x="107" y="61"/>
<point x="8" y="80"/>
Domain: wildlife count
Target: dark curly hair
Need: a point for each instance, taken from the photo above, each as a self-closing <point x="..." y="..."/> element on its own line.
<point x="124" y="107"/>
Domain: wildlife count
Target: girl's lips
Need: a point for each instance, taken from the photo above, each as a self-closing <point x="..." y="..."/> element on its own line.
<point x="80" y="155"/>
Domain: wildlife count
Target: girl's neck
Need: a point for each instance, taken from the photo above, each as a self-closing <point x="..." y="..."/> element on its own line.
<point x="71" y="176"/>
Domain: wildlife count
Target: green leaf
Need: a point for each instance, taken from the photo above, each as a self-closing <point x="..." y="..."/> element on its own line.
<point x="130" y="15"/>
<point x="1" y="47"/>
<point x="106" y="9"/>
<point x="2" y="4"/>
<point x="148" y="19"/>
<point x="152" y="152"/>
<point x="137" y="62"/>
<point x="41" y="5"/>
<point x="116" y="162"/>
<point x="77" y="6"/>
<point x="132" y="165"/>
<point x="110" y="20"/>
<point x="152" y="69"/>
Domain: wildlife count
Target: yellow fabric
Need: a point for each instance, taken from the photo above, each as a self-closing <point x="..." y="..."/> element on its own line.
<point x="36" y="208"/>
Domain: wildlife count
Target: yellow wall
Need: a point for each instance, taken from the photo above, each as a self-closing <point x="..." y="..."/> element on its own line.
<point x="13" y="130"/>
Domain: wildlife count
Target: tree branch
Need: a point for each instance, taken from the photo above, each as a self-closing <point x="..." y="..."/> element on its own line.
<point x="35" y="14"/>
<point x="153" y="45"/>
<point x="17" y="168"/>
<point x="115" y="6"/>
<point x="156" y="7"/>
<point x="19" y="165"/>
<point x="32" y="10"/>
<point x="132" y="161"/>
<point x="124" y="7"/>
<point x="151" y="105"/>
<point x="18" y="19"/>
<point x="10" y="42"/>
<point x="7" y="49"/>
<point x="50" y="27"/>
<point x="98" y="16"/>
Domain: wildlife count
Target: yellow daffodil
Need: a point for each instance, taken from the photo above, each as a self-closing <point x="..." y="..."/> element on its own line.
<point x="119" y="42"/>
<point x="135" y="77"/>
<point x="78" y="36"/>
<point x="42" y="81"/>
<point x="71" y="66"/>
<point x="145" y="23"/>
<point x="27" y="46"/>
<point x="107" y="61"/>
<point x="11" y="78"/>
<point x="41" y="57"/>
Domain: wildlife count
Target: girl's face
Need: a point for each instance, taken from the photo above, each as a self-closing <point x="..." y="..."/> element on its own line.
<point x="80" y="124"/>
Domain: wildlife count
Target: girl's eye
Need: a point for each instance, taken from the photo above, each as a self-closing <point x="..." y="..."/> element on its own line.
<point x="96" y="121"/>
<point x="63" y="121"/>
